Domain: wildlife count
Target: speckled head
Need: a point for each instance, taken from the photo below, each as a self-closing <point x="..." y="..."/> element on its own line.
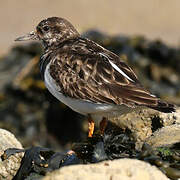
<point x="52" y="31"/>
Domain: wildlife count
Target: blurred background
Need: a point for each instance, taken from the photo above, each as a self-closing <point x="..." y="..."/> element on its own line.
<point x="146" y="32"/>
<point x="154" y="19"/>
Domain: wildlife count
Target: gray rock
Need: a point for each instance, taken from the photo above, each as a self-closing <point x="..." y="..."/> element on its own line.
<point x="9" y="167"/>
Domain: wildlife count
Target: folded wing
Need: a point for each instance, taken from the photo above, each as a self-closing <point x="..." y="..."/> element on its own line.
<point x="102" y="77"/>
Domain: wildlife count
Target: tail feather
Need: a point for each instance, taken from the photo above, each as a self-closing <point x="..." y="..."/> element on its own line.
<point x="165" y="107"/>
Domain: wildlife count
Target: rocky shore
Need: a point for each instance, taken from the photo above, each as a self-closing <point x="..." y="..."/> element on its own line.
<point x="139" y="145"/>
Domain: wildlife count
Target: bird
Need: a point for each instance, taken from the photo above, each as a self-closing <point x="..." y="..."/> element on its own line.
<point x="88" y="78"/>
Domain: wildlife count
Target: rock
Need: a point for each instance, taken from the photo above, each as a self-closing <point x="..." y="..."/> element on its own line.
<point x="143" y="123"/>
<point x="108" y="170"/>
<point x="170" y="118"/>
<point x="9" y="167"/>
<point x="168" y="135"/>
<point x="34" y="176"/>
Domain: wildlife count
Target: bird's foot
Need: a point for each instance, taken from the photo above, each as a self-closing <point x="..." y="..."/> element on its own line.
<point x="103" y="125"/>
<point x="90" y="127"/>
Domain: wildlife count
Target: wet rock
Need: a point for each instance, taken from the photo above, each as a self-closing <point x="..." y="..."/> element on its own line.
<point x="39" y="161"/>
<point x="117" y="169"/>
<point x="9" y="167"/>
<point x="165" y="158"/>
<point x="116" y="143"/>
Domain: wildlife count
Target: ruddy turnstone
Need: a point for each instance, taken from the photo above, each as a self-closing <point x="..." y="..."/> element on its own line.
<point x="87" y="77"/>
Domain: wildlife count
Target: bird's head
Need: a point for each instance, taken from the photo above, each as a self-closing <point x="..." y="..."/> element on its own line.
<point x="52" y="32"/>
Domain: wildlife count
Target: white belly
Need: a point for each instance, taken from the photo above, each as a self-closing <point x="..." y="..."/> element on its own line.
<point x="97" y="110"/>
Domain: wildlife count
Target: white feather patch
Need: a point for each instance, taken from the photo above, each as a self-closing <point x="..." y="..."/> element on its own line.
<point x="116" y="67"/>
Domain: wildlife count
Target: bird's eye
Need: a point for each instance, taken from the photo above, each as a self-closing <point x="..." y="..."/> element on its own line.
<point x="46" y="28"/>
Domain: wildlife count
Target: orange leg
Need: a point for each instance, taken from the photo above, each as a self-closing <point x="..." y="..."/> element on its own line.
<point x="103" y="125"/>
<point x="90" y="126"/>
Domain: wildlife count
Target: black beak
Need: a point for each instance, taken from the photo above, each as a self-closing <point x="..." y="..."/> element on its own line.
<point x="30" y="36"/>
